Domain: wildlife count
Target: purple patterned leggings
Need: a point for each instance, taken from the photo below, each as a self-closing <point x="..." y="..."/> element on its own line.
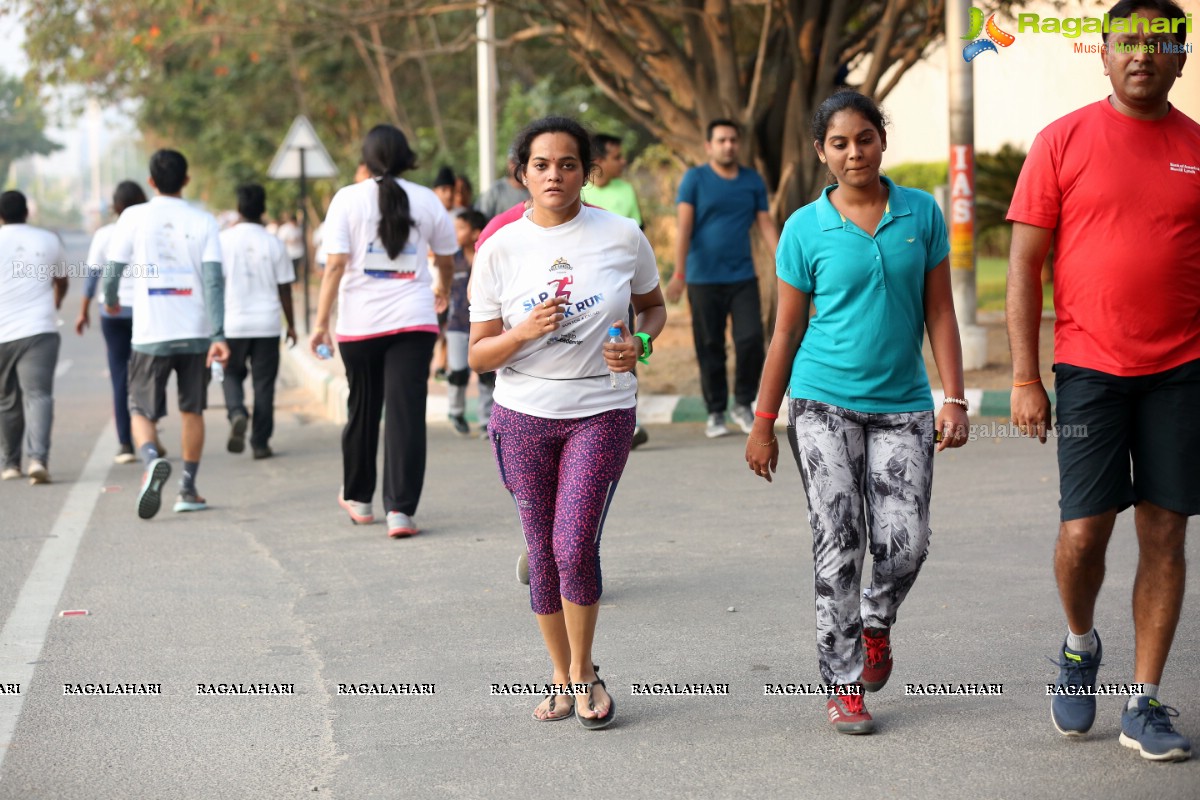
<point x="562" y="474"/>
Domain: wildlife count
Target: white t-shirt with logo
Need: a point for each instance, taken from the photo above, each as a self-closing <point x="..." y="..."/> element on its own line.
<point x="97" y="258"/>
<point x="380" y="295"/>
<point x="597" y="260"/>
<point x="166" y="242"/>
<point x="255" y="264"/>
<point x="29" y="258"/>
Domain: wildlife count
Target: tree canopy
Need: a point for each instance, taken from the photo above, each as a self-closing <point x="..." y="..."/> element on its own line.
<point x="23" y="123"/>
<point x="223" y="78"/>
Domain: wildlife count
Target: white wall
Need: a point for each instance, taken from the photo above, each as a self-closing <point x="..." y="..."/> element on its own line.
<point x="1018" y="91"/>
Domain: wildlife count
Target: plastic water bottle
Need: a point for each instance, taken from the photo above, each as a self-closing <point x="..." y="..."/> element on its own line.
<point x="619" y="380"/>
<point x="218" y="372"/>
<point x="323" y="352"/>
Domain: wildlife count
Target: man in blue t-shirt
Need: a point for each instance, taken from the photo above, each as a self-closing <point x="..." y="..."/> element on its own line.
<point x="717" y="204"/>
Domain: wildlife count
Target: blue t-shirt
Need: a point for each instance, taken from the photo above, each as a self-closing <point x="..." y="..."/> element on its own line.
<point x="725" y="211"/>
<point x="862" y="349"/>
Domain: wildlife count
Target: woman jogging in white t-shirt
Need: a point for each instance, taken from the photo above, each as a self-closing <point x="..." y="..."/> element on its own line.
<point x="377" y="233"/>
<point x="545" y="291"/>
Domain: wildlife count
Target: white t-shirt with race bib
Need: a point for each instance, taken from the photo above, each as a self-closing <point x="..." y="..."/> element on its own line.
<point x="380" y="295"/>
<point x="597" y="260"/>
<point x="97" y="258"/>
<point x="29" y="258"/>
<point x="255" y="264"/>
<point x="166" y="242"/>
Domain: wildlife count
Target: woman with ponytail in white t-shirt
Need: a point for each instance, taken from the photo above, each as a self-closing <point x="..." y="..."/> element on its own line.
<point x="544" y="292"/>
<point x="377" y="234"/>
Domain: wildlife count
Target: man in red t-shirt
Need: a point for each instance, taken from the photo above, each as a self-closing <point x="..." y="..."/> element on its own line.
<point x="1116" y="186"/>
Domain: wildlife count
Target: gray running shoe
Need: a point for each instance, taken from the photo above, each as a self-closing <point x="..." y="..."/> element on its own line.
<point x="360" y="513"/>
<point x="401" y="525"/>
<point x="716" y="426"/>
<point x="743" y="416"/>
<point x="523" y="568"/>
<point x="189" y="500"/>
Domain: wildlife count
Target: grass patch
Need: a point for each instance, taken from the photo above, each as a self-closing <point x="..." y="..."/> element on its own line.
<point x="990" y="280"/>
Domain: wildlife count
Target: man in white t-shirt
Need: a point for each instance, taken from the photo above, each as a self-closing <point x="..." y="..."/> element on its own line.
<point x="174" y="254"/>
<point x="258" y="286"/>
<point x="32" y="285"/>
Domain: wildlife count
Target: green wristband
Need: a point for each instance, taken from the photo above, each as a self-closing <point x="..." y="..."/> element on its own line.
<point x="647" y="347"/>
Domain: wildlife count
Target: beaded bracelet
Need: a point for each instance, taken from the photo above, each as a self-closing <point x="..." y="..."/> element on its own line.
<point x="958" y="401"/>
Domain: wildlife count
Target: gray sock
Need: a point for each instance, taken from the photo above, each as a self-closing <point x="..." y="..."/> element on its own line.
<point x="1082" y="642"/>
<point x="1148" y="690"/>
<point x="148" y="452"/>
<point x="187" y="482"/>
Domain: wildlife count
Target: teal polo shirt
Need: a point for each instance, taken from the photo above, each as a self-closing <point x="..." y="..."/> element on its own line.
<point x="862" y="349"/>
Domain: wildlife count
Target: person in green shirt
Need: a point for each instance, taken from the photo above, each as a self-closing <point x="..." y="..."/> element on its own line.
<point x="608" y="190"/>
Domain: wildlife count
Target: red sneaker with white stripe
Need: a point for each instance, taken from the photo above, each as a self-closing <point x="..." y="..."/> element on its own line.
<point x="847" y="712"/>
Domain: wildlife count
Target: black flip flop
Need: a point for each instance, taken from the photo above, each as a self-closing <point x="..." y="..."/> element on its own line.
<point x="596" y="723"/>
<point x="553" y="699"/>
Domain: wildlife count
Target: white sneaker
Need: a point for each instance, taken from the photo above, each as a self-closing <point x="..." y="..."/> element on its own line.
<point x="360" y="513"/>
<point x="401" y="525"/>
<point x="10" y="474"/>
<point x="38" y="473"/>
<point x="743" y="416"/>
<point x="716" y="426"/>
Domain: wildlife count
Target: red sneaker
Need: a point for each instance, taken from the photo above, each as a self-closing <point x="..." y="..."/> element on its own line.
<point x="847" y="712"/>
<point x="877" y="660"/>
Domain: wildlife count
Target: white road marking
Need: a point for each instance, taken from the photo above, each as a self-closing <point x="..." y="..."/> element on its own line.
<point x="25" y="631"/>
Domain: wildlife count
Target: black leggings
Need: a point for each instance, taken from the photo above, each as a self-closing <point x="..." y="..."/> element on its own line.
<point x="387" y="374"/>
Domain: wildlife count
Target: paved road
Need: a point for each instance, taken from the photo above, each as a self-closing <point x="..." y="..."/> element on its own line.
<point x="273" y="585"/>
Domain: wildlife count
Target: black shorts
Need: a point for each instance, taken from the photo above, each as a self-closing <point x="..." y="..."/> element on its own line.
<point x="1107" y="423"/>
<point x="148" y="383"/>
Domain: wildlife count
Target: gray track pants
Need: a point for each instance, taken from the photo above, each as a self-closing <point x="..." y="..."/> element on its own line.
<point x="868" y="479"/>
<point x="27" y="397"/>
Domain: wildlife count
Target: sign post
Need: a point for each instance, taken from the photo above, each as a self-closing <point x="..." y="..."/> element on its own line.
<point x="962" y="190"/>
<point x="302" y="156"/>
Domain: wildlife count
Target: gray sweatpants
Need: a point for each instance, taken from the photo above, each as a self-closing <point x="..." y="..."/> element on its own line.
<point x="868" y="479"/>
<point x="457" y="345"/>
<point x="27" y="397"/>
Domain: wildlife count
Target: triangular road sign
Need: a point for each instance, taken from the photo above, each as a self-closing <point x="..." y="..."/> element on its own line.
<point x="317" y="163"/>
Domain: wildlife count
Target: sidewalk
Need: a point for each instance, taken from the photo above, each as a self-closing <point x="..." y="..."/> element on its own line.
<point x="326" y="382"/>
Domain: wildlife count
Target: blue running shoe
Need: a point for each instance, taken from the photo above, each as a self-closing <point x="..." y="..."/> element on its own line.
<point x="150" y="498"/>
<point x="1074" y="710"/>
<point x="1148" y="730"/>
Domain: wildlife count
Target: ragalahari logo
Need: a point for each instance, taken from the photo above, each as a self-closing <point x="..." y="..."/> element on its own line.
<point x="982" y="44"/>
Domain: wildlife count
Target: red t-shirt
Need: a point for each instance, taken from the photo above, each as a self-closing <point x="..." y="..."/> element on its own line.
<point x="1123" y="196"/>
<point x="499" y="221"/>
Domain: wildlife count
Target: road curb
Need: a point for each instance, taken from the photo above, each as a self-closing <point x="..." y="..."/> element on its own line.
<point x="325" y="383"/>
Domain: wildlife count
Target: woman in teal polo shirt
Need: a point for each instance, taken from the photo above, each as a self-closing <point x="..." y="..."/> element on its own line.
<point x="872" y="258"/>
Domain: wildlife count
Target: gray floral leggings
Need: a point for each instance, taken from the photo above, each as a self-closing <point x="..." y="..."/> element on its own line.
<point x="867" y="478"/>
